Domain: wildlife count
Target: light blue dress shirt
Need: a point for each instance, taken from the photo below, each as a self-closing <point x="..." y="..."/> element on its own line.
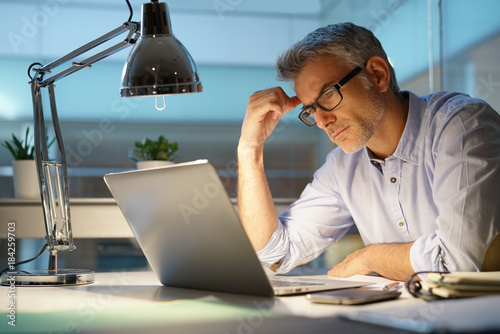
<point x="440" y="189"/>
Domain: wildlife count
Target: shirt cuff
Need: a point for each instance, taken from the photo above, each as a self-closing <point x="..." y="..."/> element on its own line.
<point x="272" y="254"/>
<point x="425" y="254"/>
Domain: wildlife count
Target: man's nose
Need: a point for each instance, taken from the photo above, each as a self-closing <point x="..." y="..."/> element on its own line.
<point x="323" y="118"/>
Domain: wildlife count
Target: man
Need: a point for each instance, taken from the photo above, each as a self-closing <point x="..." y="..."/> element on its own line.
<point x="418" y="176"/>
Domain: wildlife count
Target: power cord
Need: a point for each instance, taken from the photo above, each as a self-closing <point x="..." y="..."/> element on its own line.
<point x="26" y="261"/>
<point x="131" y="11"/>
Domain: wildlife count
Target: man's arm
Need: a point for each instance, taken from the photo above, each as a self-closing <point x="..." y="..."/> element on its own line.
<point x="389" y="260"/>
<point x="256" y="207"/>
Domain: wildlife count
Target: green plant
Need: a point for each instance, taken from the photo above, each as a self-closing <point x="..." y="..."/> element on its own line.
<point x="23" y="149"/>
<point x="160" y="149"/>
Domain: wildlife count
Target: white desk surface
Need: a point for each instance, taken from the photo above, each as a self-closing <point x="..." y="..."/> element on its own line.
<point x="124" y="293"/>
<point x="136" y="302"/>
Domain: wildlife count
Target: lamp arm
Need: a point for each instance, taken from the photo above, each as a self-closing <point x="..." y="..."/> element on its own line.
<point x="133" y="29"/>
<point x="52" y="175"/>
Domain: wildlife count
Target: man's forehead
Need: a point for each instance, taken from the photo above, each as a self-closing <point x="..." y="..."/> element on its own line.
<point x="314" y="76"/>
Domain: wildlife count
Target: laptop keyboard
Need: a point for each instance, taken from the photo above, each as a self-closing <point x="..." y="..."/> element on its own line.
<point x="283" y="283"/>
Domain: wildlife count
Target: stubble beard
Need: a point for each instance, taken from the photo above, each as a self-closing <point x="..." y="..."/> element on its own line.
<point x="372" y="114"/>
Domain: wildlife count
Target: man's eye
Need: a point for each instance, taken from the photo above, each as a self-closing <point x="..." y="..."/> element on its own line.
<point x="329" y="93"/>
<point x="310" y="111"/>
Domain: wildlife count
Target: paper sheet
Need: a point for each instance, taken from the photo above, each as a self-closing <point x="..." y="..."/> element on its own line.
<point x="455" y="315"/>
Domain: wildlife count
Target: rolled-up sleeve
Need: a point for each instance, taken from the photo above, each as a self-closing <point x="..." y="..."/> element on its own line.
<point x="310" y="225"/>
<point x="274" y="251"/>
<point x="425" y="254"/>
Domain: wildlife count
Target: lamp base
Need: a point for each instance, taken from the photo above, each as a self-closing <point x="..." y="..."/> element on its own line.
<point x="61" y="277"/>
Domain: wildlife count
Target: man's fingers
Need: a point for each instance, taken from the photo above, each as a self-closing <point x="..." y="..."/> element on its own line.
<point x="260" y="93"/>
<point x="264" y="110"/>
<point x="335" y="271"/>
<point x="266" y="105"/>
<point x="273" y="100"/>
<point x="294" y="100"/>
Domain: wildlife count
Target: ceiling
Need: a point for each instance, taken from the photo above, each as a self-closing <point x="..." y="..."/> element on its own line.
<point x="215" y="7"/>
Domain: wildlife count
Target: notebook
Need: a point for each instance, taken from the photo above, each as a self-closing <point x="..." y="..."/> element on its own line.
<point x="191" y="235"/>
<point x="462" y="284"/>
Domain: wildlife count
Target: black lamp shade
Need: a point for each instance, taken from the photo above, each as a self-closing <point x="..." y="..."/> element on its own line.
<point x="158" y="64"/>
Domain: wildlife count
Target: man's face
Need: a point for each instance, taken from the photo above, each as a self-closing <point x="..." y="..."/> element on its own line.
<point x="353" y="122"/>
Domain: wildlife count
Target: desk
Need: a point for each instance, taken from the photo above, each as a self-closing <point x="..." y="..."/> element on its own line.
<point x="115" y="303"/>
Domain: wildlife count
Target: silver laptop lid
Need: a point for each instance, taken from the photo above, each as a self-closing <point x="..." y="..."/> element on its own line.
<point x="188" y="229"/>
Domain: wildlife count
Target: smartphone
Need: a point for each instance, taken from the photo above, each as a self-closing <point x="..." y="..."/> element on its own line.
<point x="354" y="296"/>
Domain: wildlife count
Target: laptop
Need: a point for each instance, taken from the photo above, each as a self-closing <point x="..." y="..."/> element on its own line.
<point x="191" y="235"/>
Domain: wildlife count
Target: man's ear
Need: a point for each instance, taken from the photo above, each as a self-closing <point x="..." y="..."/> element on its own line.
<point x="379" y="73"/>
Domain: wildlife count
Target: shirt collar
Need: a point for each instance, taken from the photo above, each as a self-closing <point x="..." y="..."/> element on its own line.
<point x="408" y="146"/>
<point x="407" y="149"/>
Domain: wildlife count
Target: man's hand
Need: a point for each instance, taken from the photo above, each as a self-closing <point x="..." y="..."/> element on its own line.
<point x="264" y="111"/>
<point x="355" y="263"/>
<point x="389" y="260"/>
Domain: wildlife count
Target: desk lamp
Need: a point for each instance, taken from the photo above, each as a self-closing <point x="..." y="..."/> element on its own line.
<point x="157" y="65"/>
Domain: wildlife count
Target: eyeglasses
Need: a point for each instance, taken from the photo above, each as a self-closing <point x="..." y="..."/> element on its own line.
<point x="415" y="288"/>
<point x="328" y="100"/>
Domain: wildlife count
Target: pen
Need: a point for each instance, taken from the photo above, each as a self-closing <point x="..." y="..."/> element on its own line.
<point x="392" y="286"/>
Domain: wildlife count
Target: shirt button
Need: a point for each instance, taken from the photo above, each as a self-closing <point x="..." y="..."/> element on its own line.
<point x="393" y="180"/>
<point x="401" y="224"/>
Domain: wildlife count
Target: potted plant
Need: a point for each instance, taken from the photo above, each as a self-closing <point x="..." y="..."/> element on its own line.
<point x="154" y="153"/>
<point x="24" y="166"/>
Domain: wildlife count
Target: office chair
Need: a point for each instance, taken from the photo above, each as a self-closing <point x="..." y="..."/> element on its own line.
<point x="491" y="259"/>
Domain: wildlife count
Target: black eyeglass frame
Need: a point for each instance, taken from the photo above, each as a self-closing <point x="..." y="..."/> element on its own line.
<point x="304" y="113"/>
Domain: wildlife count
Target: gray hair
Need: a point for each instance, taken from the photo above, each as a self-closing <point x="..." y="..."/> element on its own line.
<point x="347" y="41"/>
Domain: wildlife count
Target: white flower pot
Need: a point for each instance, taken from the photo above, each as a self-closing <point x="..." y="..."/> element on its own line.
<point x="25" y="179"/>
<point x="153" y="164"/>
